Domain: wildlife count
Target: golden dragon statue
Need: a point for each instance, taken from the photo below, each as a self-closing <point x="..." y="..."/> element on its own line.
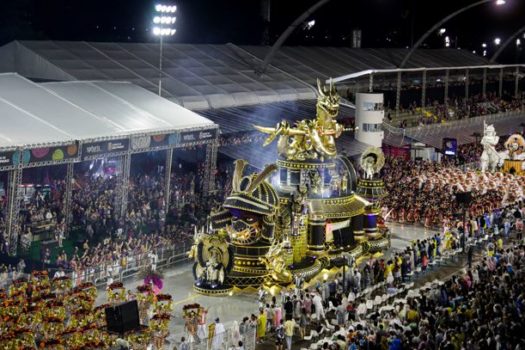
<point x="310" y="139"/>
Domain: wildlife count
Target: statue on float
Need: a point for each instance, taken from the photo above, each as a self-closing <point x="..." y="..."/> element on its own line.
<point x="513" y="158"/>
<point x="213" y="257"/>
<point x="490" y="158"/>
<point x="515" y="147"/>
<point x="372" y="161"/>
<point x="275" y="262"/>
<point x="310" y="138"/>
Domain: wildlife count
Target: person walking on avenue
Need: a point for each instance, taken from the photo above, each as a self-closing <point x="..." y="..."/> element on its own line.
<point x="279" y="336"/>
<point x="289" y="327"/>
<point x="288" y="309"/>
<point x="184" y="344"/>
<point x="218" y="338"/>
<point x="470" y="254"/>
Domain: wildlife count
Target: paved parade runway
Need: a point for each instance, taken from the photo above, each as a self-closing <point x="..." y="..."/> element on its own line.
<point x="178" y="281"/>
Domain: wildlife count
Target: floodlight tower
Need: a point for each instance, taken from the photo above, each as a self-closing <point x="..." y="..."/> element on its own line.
<point x="164" y="22"/>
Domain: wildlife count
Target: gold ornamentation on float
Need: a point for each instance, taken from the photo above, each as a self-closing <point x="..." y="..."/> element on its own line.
<point x="310" y="139"/>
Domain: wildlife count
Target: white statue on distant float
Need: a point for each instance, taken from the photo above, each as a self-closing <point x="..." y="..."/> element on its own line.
<point x="490" y="158"/>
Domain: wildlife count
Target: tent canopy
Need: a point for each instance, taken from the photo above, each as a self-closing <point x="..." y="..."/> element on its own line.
<point x="309" y="63"/>
<point x="194" y="76"/>
<point x="60" y="112"/>
<point x="201" y="77"/>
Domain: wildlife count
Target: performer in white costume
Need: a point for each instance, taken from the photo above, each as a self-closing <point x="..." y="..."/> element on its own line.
<point x="218" y="338"/>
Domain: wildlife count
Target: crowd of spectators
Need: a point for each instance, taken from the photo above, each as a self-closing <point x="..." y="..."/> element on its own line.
<point x="105" y="260"/>
<point x="146" y="228"/>
<point x="105" y="240"/>
<point x="455" y="109"/>
<point x="481" y="308"/>
<point x="426" y="192"/>
<point x="10" y="272"/>
<point x="457" y="313"/>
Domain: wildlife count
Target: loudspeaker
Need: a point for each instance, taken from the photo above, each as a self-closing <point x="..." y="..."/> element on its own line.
<point x="123" y="317"/>
<point x="464" y="198"/>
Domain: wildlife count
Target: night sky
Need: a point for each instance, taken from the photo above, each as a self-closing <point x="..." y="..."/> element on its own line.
<point x="384" y="23"/>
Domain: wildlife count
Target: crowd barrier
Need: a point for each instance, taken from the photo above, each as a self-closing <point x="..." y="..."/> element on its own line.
<point x="439" y="128"/>
<point x="130" y="266"/>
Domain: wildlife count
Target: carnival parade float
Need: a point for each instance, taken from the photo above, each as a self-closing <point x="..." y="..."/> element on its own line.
<point x="511" y="160"/>
<point x="296" y="217"/>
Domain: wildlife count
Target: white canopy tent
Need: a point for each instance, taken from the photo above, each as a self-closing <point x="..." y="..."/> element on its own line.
<point x="66" y="122"/>
<point x="37" y="114"/>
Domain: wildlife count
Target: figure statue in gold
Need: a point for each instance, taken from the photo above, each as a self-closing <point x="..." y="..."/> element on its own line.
<point x="276" y="264"/>
<point x="212" y="255"/>
<point x="310" y="139"/>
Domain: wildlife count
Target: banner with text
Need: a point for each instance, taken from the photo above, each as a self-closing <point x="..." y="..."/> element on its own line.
<point x="198" y="136"/>
<point x="100" y="149"/>
<point x="9" y="158"/>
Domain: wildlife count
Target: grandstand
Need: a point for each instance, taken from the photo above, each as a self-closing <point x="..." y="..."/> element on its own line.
<point x="47" y="124"/>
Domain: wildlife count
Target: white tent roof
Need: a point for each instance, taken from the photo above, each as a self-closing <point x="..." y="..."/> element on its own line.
<point x="34" y="113"/>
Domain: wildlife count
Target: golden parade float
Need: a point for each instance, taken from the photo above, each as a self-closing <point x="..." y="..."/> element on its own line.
<point x="514" y="155"/>
<point x="296" y="217"/>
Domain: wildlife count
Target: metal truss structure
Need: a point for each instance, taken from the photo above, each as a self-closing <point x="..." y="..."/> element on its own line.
<point x="137" y="144"/>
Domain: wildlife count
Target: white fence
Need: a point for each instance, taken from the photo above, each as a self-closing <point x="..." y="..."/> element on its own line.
<point x="439" y="128"/>
<point x="130" y="266"/>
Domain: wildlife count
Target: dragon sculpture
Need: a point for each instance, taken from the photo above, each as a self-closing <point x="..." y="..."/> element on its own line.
<point x="312" y="138"/>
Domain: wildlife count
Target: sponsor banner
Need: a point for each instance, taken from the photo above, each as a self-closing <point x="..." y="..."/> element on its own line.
<point x="9" y="158"/>
<point x="140" y="142"/>
<point x="160" y="140"/>
<point x="155" y="141"/>
<point x="197" y="136"/>
<point x="95" y="149"/>
<point x="49" y="154"/>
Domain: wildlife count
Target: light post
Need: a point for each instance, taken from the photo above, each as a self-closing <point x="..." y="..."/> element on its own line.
<point x="163" y="22"/>
<point x="507" y="42"/>
<point x="440" y="24"/>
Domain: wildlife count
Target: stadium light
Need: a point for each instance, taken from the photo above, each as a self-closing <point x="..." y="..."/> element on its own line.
<point x="164" y="22"/>
<point x="165" y="8"/>
<point x="441" y="23"/>
<point x="497" y="41"/>
<point x="310" y="24"/>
